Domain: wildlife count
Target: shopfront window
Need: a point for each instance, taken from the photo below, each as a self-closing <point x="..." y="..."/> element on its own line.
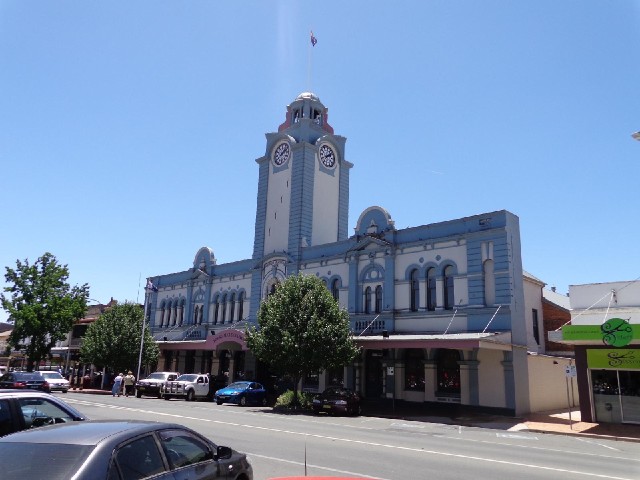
<point x="616" y="395"/>
<point x="311" y="382"/>
<point x="414" y="369"/>
<point x="448" y="372"/>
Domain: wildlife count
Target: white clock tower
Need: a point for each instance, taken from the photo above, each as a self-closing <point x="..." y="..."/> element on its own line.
<point x="303" y="190"/>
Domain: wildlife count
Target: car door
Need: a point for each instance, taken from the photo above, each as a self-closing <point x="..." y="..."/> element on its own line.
<point x="191" y="457"/>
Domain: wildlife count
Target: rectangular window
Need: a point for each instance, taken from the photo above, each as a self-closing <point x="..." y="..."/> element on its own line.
<point x="536" y="329"/>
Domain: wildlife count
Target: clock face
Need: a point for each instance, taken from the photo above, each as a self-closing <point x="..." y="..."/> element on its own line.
<point x="327" y="156"/>
<point x="281" y="153"/>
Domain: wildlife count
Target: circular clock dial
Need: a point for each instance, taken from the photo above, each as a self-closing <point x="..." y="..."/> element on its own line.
<point x="327" y="156"/>
<point x="281" y="153"/>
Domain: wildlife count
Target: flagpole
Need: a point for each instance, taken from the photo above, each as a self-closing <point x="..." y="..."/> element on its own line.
<point x="310" y="50"/>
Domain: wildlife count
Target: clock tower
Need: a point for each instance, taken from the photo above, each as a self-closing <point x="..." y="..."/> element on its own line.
<point x="303" y="189"/>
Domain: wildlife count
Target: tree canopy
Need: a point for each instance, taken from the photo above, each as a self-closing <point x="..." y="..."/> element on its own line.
<point x="113" y="340"/>
<point x="42" y="306"/>
<point x="302" y="329"/>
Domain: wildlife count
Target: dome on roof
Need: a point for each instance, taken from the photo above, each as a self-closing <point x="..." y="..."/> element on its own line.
<point x="307" y="95"/>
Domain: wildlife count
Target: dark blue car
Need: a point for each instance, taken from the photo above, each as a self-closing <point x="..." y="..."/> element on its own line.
<point x="242" y="393"/>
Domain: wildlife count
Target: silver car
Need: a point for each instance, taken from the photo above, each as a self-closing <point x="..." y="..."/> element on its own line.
<point x="115" y="449"/>
<point x="57" y="383"/>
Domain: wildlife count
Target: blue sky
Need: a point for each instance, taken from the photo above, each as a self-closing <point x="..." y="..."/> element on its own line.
<point x="129" y="130"/>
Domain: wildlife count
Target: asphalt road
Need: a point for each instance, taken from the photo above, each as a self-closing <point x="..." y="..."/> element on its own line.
<point x="371" y="447"/>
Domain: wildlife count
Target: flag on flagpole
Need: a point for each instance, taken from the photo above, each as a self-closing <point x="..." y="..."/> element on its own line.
<point x="151" y="286"/>
<point x="314" y="40"/>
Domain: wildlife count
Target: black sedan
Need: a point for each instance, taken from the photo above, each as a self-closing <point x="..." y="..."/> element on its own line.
<point x="338" y="400"/>
<point x="26" y="380"/>
<point x="123" y="450"/>
<point x="23" y="409"/>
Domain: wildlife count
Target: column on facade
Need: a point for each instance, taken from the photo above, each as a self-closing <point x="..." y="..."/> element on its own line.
<point x="389" y="292"/>
<point x="469" y="394"/>
<point x="398" y="370"/>
<point x="430" y="380"/>
<point x="509" y="380"/>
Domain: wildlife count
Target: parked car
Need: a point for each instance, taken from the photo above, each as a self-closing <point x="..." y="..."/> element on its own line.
<point x="26" y="380"/>
<point x="338" y="400"/>
<point x="152" y="385"/>
<point x="190" y="386"/>
<point x="242" y="393"/>
<point x="115" y="449"/>
<point x="23" y="409"/>
<point x="56" y="381"/>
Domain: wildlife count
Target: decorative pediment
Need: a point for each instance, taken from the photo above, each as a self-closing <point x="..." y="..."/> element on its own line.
<point x="369" y="243"/>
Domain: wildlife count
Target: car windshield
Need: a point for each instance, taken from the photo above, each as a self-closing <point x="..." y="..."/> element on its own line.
<point x="32" y="460"/>
<point x="157" y="376"/>
<point x="51" y="375"/>
<point x="238" y="385"/>
<point x="187" y="378"/>
<point x="28" y="376"/>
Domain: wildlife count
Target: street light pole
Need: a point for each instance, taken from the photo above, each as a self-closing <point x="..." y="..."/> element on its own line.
<point x="144" y="322"/>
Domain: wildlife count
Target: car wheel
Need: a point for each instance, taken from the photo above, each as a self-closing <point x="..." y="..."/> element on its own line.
<point x="219" y="402"/>
<point x="243" y="401"/>
<point x="167" y="397"/>
<point x="191" y="396"/>
<point x="64" y="391"/>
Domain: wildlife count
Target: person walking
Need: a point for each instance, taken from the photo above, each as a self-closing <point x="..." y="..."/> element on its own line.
<point x="129" y="381"/>
<point x="117" y="384"/>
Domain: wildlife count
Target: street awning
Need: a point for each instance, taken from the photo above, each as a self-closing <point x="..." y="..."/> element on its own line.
<point x="487" y="340"/>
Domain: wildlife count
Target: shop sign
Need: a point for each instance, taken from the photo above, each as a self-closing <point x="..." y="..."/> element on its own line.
<point x="615" y="332"/>
<point x="231" y="335"/>
<point x="621" y="358"/>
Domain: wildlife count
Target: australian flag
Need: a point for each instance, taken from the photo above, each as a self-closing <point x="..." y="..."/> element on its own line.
<point x="151" y="286"/>
<point x="314" y="40"/>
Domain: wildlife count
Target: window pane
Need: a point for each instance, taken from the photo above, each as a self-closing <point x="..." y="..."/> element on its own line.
<point x="21" y="461"/>
<point x="184" y="449"/>
<point x="139" y="459"/>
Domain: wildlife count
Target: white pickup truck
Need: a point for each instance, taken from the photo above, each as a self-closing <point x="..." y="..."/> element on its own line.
<point x="190" y="386"/>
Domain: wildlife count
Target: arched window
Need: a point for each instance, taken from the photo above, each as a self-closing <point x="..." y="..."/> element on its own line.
<point x="181" y="311"/>
<point x="216" y="307"/>
<point x="174" y="314"/>
<point x="232" y="307"/>
<point x="415" y="290"/>
<point x="335" y="290"/>
<point x="379" y="299"/>
<point x="449" y="294"/>
<point x="162" y="315"/>
<point x="240" y="305"/>
<point x="367" y="300"/>
<point x="223" y="314"/>
<point x="489" y="283"/>
<point x="431" y="289"/>
<point x="448" y="371"/>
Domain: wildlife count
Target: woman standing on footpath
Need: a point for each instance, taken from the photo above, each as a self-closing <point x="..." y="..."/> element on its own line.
<point x="117" y="384"/>
<point x="129" y="380"/>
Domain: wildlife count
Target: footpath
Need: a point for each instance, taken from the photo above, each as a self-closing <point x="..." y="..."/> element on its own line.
<point x="560" y="422"/>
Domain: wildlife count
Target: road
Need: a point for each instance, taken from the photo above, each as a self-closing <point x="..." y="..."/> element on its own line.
<point x="381" y="448"/>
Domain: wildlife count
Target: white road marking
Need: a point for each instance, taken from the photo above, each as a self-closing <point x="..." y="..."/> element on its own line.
<point x="362" y="442"/>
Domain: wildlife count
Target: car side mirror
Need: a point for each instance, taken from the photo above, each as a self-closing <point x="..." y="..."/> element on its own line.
<point x="222" y="453"/>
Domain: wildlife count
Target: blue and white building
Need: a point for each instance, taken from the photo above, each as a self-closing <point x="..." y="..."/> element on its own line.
<point x="439" y="309"/>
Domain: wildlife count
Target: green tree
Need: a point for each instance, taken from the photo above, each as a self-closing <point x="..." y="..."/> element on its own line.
<point x="302" y="329"/>
<point x="42" y="306"/>
<point x="113" y="340"/>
